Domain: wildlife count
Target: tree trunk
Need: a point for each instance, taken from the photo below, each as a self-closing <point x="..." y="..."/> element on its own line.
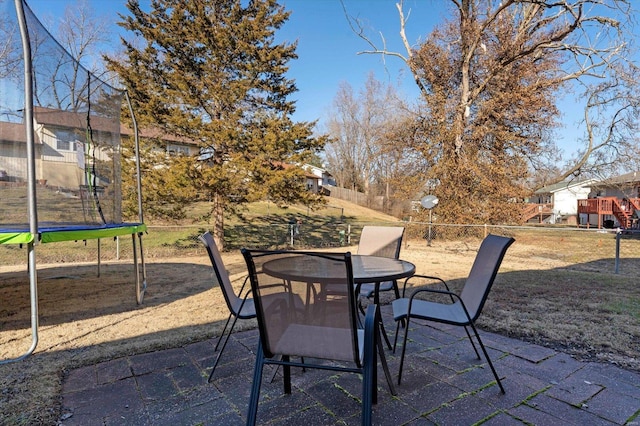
<point x="218" y="221"/>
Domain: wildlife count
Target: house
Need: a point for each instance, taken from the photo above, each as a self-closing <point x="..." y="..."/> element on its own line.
<point x="623" y="186"/>
<point x="62" y="163"/>
<point x="63" y="159"/>
<point x="558" y="202"/>
<point x="317" y="178"/>
<point x="13" y="152"/>
<point x="613" y="202"/>
<point x="60" y="143"/>
<point x="171" y="144"/>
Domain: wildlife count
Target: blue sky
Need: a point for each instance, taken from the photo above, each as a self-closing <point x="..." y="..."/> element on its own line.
<point x="328" y="48"/>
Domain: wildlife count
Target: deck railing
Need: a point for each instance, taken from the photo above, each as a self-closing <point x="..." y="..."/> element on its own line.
<point x="621" y="209"/>
<point x="532" y="210"/>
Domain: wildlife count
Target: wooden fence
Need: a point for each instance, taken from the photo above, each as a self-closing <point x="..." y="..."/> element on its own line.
<point x="359" y="198"/>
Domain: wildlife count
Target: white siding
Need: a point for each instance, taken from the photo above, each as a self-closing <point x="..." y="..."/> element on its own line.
<point x="565" y="201"/>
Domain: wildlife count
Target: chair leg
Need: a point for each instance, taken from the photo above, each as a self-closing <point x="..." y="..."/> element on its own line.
<point x="368" y="389"/>
<point x="286" y="371"/>
<point x="486" y="355"/>
<point x="384" y="334"/>
<point x="471" y="340"/>
<point x="396" y="290"/>
<point x="395" y="338"/>
<point x="224" y="345"/>
<point x="385" y="367"/>
<point x="358" y="298"/>
<point x="404" y="348"/>
<point x="224" y="329"/>
<point x="360" y="307"/>
<point x="255" y="389"/>
<point x="275" y="371"/>
<point x="370" y="364"/>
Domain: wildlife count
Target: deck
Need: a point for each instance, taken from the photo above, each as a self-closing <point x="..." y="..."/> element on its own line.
<point x="539" y="211"/>
<point x="622" y="209"/>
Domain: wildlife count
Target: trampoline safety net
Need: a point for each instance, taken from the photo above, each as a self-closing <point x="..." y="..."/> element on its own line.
<point x="77" y="134"/>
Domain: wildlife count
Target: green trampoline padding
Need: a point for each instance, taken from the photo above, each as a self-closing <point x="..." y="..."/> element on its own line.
<point x="15" y="237"/>
<point x="70" y="233"/>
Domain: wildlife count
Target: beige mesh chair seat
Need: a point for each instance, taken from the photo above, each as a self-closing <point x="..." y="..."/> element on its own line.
<point x="240" y="305"/>
<point x="463" y="309"/>
<point x="299" y="318"/>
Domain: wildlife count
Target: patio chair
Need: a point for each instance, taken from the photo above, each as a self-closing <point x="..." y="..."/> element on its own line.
<point x="297" y="319"/>
<point x="463" y="309"/>
<point x="240" y="305"/>
<point x="383" y="241"/>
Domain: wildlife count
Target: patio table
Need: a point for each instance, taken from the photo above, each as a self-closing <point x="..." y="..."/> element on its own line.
<point x="366" y="269"/>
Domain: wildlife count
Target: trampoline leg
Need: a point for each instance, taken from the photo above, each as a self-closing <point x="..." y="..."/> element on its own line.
<point x="141" y="287"/>
<point x="142" y="264"/>
<point x="33" y="285"/>
<point x="99" y="255"/>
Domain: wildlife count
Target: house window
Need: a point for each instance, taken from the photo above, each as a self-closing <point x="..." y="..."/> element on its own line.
<point x="65" y="141"/>
<point x="177" y="149"/>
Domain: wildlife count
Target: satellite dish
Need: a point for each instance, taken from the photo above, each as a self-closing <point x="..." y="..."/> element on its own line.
<point x="429" y="201"/>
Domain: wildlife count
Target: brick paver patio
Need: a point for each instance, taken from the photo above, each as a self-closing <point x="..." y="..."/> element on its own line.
<point x="443" y="384"/>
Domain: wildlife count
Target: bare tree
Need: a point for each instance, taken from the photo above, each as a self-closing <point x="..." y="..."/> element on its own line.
<point x="355" y="129"/>
<point x="10" y="53"/>
<point x="490" y="79"/>
<point x="362" y="154"/>
<point x="61" y="70"/>
<point x="10" y="63"/>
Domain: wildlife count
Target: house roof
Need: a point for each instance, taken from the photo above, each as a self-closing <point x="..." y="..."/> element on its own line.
<point x="15" y="132"/>
<point x="565" y="185"/>
<point x="283" y="165"/>
<point x="56" y="117"/>
<point x="74" y="120"/>
<point x="156" y="133"/>
<point x="630" y="177"/>
<point x="320" y="169"/>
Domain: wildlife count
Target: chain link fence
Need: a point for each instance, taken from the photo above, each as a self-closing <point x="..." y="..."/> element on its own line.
<point x="620" y="250"/>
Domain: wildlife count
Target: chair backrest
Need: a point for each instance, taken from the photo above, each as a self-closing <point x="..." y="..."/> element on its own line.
<point x="296" y="314"/>
<point x="383" y="241"/>
<point x="220" y="272"/>
<point x="483" y="273"/>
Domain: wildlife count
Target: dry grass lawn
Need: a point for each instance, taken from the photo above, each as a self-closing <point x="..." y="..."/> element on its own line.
<point x="576" y="306"/>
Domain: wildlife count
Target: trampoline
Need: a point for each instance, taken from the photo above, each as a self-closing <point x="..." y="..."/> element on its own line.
<point x="62" y="151"/>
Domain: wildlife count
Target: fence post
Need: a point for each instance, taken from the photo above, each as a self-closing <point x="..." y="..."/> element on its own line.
<point x="291" y="225"/>
<point x="618" y="237"/>
<point x="429" y="234"/>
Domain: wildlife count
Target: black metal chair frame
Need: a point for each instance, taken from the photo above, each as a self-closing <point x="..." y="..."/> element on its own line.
<point x="403" y="308"/>
<point x="367" y="367"/>
<point x="236" y="311"/>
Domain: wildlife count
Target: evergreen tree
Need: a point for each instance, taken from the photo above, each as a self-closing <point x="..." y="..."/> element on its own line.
<point x="210" y="71"/>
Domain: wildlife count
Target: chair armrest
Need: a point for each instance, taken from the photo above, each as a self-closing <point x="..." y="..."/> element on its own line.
<point x="370" y="332"/>
<point x="436" y="291"/>
<point x="454" y="297"/>
<point x="428" y="277"/>
<point x="370" y="319"/>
